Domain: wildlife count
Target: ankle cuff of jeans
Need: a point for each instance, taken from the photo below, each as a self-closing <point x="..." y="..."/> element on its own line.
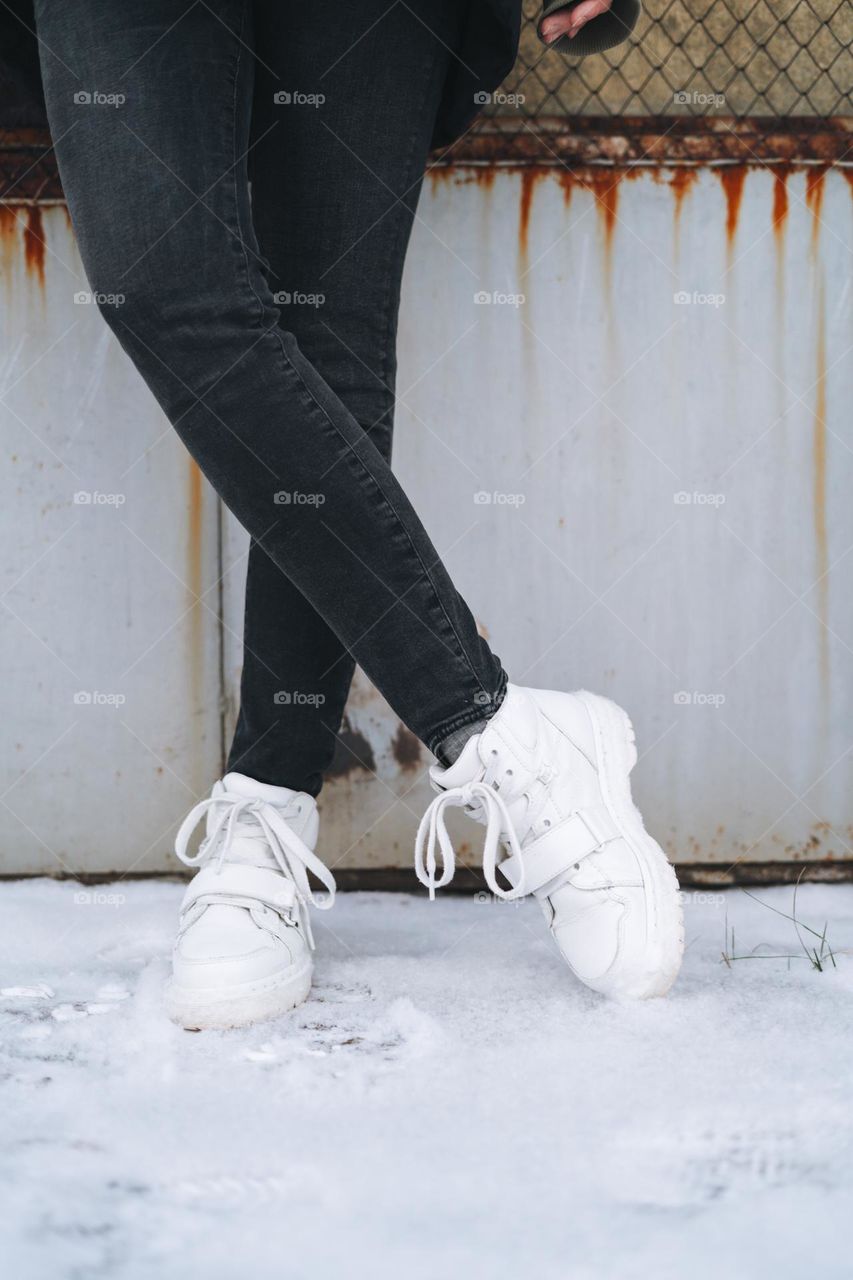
<point x="483" y="708"/>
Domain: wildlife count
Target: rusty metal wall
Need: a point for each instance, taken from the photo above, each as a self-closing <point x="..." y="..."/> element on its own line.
<point x="667" y="518"/>
<point x="655" y="401"/>
<point x="109" y="627"/>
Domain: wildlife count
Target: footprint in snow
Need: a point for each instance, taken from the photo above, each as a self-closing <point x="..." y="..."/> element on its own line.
<point x="39" y="992"/>
<point x="67" y="1013"/>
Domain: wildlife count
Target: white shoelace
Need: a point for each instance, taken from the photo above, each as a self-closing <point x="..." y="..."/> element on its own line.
<point x="481" y="800"/>
<point x="292" y="855"/>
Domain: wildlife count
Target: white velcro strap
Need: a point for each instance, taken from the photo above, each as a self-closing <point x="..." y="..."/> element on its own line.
<point x="560" y="847"/>
<point x="234" y="881"/>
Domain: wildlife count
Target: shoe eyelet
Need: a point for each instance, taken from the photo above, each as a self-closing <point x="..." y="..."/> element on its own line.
<point x="547" y="822"/>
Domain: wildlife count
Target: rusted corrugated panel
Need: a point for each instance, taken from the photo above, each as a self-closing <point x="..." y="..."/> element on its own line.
<point x="109" y="634"/>
<point x="631" y="140"/>
<point x="28" y="170"/>
<point x="601" y="399"/>
<point x="600" y="375"/>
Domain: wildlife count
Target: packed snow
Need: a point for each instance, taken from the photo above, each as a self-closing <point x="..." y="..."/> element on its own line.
<point x="450" y="1102"/>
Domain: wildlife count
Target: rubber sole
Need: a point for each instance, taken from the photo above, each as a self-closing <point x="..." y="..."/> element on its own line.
<point x="222" y="1008"/>
<point x="616" y="755"/>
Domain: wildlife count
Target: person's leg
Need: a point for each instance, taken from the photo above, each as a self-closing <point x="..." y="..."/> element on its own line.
<point x="335" y="183"/>
<point x="158" y="193"/>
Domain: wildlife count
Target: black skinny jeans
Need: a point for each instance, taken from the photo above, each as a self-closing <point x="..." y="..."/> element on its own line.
<point x="285" y="402"/>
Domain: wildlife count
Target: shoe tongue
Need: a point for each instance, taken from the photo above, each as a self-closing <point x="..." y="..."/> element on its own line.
<point x="249" y="845"/>
<point x="250" y="848"/>
<point x="241" y="785"/>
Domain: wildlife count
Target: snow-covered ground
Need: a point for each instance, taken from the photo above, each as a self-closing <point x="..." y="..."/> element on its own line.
<point x="450" y="1103"/>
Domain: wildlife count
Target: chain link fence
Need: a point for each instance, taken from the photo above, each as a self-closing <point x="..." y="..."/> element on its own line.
<point x="697" y="58"/>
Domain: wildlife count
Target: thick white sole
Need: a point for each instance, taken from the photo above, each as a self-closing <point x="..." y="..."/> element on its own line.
<point x="240" y="1005"/>
<point x="616" y="755"/>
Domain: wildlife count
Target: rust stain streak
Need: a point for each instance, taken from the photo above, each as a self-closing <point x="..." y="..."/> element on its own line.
<point x="681" y="182"/>
<point x="605" y="188"/>
<point x="567" y="183"/>
<point x="779" y="218"/>
<point x="529" y="178"/>
<point x="732" y="180"/>
<point x="29" y="225"/>
<point x="195" y="510"/>
<point x="780" y="203"/>
<point x="34" y="244"/>
<point x="819" y="464"/>
<point x="815" y="187"/>
<point x="472" y="175"/>
<point x="406" y="749"/>
<point x="8" y="240"/>
<point x="438" y="176"/>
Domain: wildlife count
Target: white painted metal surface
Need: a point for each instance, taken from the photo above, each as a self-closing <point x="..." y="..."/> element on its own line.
<point x="108" y="641"/>
<point x="654" y="399"/>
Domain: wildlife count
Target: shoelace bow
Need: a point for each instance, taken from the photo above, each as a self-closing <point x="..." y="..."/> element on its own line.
<point x="480" y="799"/>
<point x="292" y="855"/>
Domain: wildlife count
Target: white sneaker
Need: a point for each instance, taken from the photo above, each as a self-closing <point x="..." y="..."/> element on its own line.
<point x="548" y="777"/>
<point x="243" y="951"/>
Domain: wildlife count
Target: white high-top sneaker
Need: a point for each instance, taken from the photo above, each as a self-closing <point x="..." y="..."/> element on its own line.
<point x="548" y="777"/>
<point x="243" y="951"/>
